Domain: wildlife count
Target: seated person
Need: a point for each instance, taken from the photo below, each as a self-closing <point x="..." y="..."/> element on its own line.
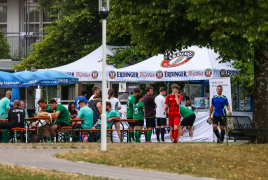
<point x="184" y="98"/>
<point x="111" y="116"/>
<point x="63" y="116"/>
<point x="73" y="114"/>
<point x="43" y="105"/>
<point x="71" y="109"/>
<point x="15" y="117"/>
<point x="85" y="113"/>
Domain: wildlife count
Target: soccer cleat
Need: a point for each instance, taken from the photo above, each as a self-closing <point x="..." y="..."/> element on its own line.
<point x="174" y="142"/>
<point x="163" y="141"/>
<point x="158" y="141"/>
<point x="219" y="141"/>
<point x="149" y="142"/>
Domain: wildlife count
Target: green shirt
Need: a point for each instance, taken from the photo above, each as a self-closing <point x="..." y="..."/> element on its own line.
<point x="48" y="106"/>
<point x="64" y="115"/>
<point x="130" y="103"/>
<point x="138" y="111"/>
<point x="185" y="112"/>
<point x="86" y="113"/>
<point x="109" y="115"/>
<point x="4" y="105"/>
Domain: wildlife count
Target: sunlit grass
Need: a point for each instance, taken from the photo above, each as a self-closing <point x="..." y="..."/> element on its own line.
<point x="237" y="161"/>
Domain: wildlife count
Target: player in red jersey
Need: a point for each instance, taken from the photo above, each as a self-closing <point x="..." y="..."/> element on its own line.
<point x="172" y="102"/>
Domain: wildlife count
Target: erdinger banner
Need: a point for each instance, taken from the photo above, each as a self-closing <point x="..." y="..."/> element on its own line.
<point x="203" y="132"/>
<point x="159" y="75"/>
<point x="87" y="76"/>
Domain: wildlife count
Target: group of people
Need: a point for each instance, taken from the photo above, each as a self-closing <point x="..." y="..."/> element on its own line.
<point x="154" y="111"/>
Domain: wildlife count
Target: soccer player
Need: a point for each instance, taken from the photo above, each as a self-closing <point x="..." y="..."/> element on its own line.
<point x="219" y="104"/>
<point x="149" y="106"/>
<point x="160" y="117"/>
<point x="130" y="103"/>
<point x="188" y="120"/>
<point x="139" y="115"/>
<point x="172" y="102"/>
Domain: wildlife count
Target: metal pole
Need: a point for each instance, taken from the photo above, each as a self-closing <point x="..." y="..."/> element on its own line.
<point x="46" y="94"/>
<point x="26" y="102"/>
<point x="104" y="87"/>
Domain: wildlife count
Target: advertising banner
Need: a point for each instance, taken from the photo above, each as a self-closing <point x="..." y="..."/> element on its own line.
<point x="86" y="75"/>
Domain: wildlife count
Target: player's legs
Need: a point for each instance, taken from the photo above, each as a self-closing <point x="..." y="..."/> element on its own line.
<point x="163" y="123"/>
<point x="150" y="124"/>
<point x="215" y="127"/>
<point x="222" y="126"/>
<point x="171" y="125"/>
<point x="158" y="128"/>
<point x="176" y="128"/>
<point x="131" y="131"/>
<point x="117" y="127"/>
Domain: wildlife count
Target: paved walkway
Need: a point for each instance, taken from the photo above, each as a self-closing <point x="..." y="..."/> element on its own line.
<point x="43" y="159"/>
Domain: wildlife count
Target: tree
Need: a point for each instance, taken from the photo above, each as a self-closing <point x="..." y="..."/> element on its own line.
<point x="4" y="47"/>
<point x="235" y="29"/>
<point x="73" y="35"/>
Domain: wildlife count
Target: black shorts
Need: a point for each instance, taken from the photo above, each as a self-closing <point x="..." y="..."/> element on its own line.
<point x="161" y="121"/>
<point x="150" y="122"/>
<point x="188" y="121"/>
<point x="217" y="119"/>
<point x="131" y="124"/>
<point x="139" y="123"/>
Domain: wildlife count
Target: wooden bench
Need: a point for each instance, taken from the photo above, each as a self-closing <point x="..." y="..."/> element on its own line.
<point x="109" y="134"/>
<point x="14" y="134"/>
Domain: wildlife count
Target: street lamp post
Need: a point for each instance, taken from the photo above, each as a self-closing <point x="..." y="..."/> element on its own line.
<point x="104" y="9"/>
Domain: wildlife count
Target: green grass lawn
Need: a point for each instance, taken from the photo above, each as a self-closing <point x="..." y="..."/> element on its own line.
<point x="237" y="161"/>
<point x="26" y="173"/>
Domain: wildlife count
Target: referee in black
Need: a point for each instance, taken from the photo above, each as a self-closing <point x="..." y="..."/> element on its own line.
<point x="15" y="117"/>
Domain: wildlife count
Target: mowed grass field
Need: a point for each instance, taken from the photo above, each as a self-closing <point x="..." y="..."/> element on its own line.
<point x="236" y="161"/>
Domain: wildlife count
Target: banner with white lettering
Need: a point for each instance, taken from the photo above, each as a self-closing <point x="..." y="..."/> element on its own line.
<point x="202" y="131"/>
<point x="226" y="85"/>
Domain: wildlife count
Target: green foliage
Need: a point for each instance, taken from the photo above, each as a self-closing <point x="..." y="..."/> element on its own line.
<point x="130" y="55"/>
<point x="4" y="47"/>
<point x="75" y="34"/>
<point x="17" y="56"/>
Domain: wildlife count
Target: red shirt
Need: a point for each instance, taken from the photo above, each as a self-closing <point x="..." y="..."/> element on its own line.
<point x="172" y="105"/>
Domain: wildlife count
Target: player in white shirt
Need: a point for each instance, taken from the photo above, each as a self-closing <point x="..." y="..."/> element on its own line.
<point x="161" y="118"/>
<point x="95" y="91"/>
<point x="115" y="103"/>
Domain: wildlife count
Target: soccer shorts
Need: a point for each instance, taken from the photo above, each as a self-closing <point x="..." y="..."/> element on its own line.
<point x="150" y="122"/>
<point x="188" y="121"/>
<point x="139" y="123"/>
<point x="174" y="120"/>
<point x="217" y="119"/>
<point x="131" y="124"/>
<point x="161" y="121"/>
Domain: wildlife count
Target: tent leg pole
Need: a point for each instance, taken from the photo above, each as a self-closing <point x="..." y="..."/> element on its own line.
<point x="46" y="94"/>
<point x="26" y="111"/>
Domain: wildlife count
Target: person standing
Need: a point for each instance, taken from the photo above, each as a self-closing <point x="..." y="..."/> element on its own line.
<point x="4" y="110"/>
<point x="172" y="102"/>
<point x="160" y="117"/>
<point x="130" y="103"/>
<point x="219" y="104"/>
<point x="139" y="115"/>
<point x="95" y="105"/>
<point x="188" y="121"/>
<point x="184" y="99"/>
<point x="96" y="91"/>
<point x="82" y="97"/>
<point x="149" y="106"/>
<point x="116" y="105"/>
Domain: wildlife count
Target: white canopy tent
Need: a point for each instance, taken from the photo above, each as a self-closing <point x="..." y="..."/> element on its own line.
<point x="88" y="68"/>
<point x="194" y="63"/>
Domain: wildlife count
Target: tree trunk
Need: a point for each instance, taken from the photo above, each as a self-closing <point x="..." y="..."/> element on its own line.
<point x="260" y="95"/>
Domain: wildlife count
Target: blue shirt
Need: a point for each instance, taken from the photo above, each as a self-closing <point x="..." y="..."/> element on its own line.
<point x="86" y="113"/>
<point x="4" y="105"/>
<point x="219" y="103"/>
<point x="77" y="101"/>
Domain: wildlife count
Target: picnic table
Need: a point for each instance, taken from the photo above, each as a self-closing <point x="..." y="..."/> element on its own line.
<point x="125" y="121"/>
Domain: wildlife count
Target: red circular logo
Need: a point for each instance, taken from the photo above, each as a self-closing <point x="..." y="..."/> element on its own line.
<point x="177" y="59"/>
<point x="159" y="74"/>
<point x="208" y="72"/>
<point x="112" y="74"/>
<point x="94" y="74"/>
<point x="223" y="72"/>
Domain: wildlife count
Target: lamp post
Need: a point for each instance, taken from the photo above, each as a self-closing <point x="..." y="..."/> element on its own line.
<point x="104" y="9"/>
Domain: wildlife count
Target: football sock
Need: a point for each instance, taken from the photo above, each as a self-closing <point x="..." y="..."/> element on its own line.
<point x="137" y="136"/>
<point x="149" y="134"/>
<point x="157" y="134"/>
<point x="222" y="135"/>
<point x="132" y="135"/>
<point x="172" y="134"/>
<point x="176" y="133"/>
<point x="145" y="134"/>
<point x="129" y="136"/>
<point x="163" y="134"/>
<point x="217" y="133"/>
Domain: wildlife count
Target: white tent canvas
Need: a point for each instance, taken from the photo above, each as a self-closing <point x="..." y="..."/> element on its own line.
<point x="88" y="68"/>
<point x="194" y="63"/>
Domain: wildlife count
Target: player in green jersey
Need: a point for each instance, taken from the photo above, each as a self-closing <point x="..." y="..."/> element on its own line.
<point x="139" y="115"/>
<point x="130" y="103"/>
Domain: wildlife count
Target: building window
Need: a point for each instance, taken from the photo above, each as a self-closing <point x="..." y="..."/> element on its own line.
<point x="3" y="19"/>
<point x="47" y="18"/>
